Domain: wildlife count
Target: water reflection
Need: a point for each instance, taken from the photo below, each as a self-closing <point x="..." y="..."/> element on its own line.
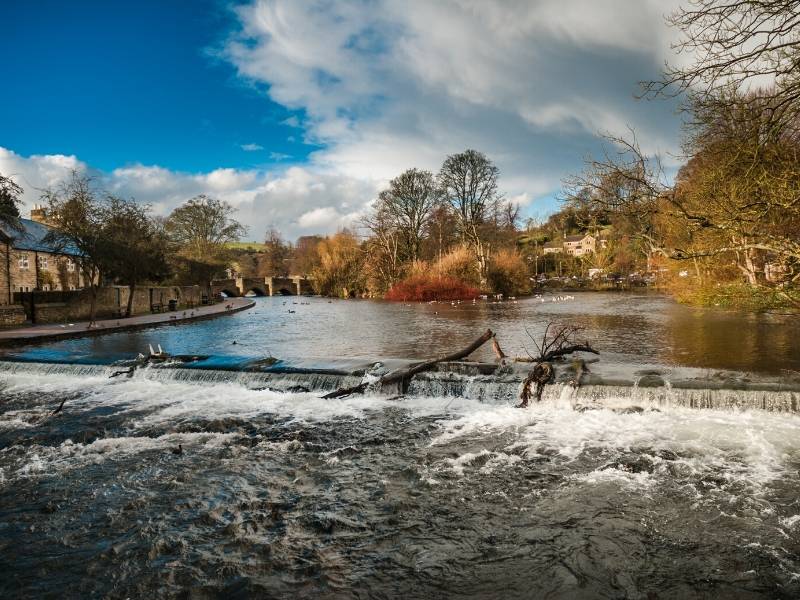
<point x="629" y="328"/>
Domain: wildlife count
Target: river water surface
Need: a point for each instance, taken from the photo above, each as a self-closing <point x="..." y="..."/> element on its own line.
<point x="283" y="494"/>
<point x="626" y="328"/>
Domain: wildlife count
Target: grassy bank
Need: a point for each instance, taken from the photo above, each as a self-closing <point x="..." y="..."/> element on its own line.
<point x="736" y="296"/>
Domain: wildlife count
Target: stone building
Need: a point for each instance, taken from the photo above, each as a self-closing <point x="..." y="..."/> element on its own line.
<point x="553" y="247"/>
<point x="576" y="245"/>
<point x="30" y="262"/>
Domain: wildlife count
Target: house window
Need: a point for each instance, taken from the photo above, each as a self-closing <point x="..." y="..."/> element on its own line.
<point x="46" y="287"/>
<point x="70" y="265"/>
<point x="42" y="262"/>
<point x="23" y="262"/>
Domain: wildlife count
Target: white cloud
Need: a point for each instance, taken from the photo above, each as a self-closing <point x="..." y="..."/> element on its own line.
<point x="297" y="201"/>
<point x="279" y="156"/>
<point x="382" y="86"/>
<point x="385" y="85"/>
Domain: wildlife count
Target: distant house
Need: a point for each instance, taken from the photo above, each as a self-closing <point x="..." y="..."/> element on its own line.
<point x="30" y="262"/>
<point x="553" y="247"/>
<point x="578" y="245"/>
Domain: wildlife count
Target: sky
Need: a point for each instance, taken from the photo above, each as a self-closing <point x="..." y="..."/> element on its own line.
<point x="299" y="113"/>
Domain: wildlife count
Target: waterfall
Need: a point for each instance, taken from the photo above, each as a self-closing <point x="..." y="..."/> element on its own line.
<point x="500" y="389"/>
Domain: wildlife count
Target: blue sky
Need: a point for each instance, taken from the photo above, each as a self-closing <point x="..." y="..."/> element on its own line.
<point x="116" y="83"/>
<point x="298" y="113"/>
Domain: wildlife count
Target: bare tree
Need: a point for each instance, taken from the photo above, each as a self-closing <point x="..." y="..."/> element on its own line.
<point x="384" y="248"/>
<point x="627" y="185"/>
<point x="406" y="207"/>
<point x="134" y="247"/>
<point x="78" y="210"/>
<point x="274" y="261"/>
<point x="468" y="181"/>
<point x="746" y="45"/>
<point x="201" y="227"/>
<point x="510" y="215"/>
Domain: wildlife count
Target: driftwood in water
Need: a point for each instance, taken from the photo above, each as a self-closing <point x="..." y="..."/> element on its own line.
<point x="553" y="345"/>
<point x="557" y="354"/>
<point x="540" y="375"/>
<point x="129" y="372"/>
<point x="498" y="351"/>
<point x="580" y="369"/>
<point x="406" y="374"/>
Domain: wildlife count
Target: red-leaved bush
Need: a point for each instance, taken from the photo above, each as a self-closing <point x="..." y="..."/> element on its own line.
<point x="427" y="288"/>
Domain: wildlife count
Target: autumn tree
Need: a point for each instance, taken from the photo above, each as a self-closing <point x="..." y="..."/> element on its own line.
<point x="739" y="192"/>
<point x="305" y="257"/>
<point x="468" y="182"/>
<point x="340" y="272"/>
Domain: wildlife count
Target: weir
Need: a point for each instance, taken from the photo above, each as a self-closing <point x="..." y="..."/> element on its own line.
<point x="615" y="387"/>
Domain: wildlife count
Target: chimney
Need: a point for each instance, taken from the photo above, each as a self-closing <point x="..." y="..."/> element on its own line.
<point x="39" y="214"/>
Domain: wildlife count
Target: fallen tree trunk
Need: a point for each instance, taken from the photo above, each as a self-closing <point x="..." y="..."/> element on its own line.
<point x="556" y="353"/>
<point x="404" y="374"/>
<point x="498" y="351"/>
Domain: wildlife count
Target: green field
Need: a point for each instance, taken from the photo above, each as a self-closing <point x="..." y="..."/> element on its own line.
<point x="255" y="246"/>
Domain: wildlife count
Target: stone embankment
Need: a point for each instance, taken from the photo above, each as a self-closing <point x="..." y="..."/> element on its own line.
<point x="35" y="334"/>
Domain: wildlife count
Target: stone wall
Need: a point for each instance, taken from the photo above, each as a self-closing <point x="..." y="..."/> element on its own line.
<point x="56" y="272"/>
<point x="12" y="315"/>
<point x="5" y="268"/>
<point x="60" y="307"/>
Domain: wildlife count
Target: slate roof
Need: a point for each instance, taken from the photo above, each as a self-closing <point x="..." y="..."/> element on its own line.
<point x="553" y="245"/>
<point x="32" y="238"/>
<point x="575" y="238"/>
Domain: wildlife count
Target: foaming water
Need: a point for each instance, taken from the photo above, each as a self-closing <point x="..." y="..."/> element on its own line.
<point x="155" y="485"/>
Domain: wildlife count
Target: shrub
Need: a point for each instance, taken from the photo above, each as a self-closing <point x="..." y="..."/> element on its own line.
<point x="459" y="264"/>
<point x="734" y="295"/>
<point x="429" y="287"/>
<point x="508" y="273"/>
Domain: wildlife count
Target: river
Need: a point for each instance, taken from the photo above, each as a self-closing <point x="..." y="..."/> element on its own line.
<point x="284" y="494"/>
<point x="627" y="328"/>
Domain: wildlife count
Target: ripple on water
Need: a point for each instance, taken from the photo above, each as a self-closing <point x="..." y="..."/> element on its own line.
<point x="287" y="494"/>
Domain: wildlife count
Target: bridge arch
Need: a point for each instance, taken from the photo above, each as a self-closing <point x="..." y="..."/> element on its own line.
<point x="256" y="291"/>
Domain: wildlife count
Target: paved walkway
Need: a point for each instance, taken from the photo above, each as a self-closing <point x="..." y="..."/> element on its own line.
<point x="32" y="334"/>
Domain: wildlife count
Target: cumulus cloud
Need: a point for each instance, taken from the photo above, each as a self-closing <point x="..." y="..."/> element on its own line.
<point x="297" y="201"/>
<point x="384" y="86"/>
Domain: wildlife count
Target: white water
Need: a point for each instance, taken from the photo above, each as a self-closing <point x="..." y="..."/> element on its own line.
<point x="654" y="477"/>
<point x="751" y="445"/>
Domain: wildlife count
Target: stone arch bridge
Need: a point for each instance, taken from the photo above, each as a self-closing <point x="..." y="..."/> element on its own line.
<point x="294" y="285"/>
